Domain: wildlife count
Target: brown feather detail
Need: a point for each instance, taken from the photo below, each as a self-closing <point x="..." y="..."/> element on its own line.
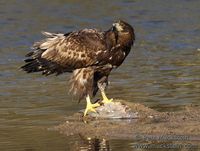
<point x="90" y="54"/>
<point x="82" y="82"/>
<point x="59" y="53"/>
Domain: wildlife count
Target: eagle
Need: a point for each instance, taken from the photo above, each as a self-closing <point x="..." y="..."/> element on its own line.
<point x="89" y="54"/>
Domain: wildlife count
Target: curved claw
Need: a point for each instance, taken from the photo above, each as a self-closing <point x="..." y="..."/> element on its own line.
<point x="106" y="100"/>
<point x="90" y="106"/>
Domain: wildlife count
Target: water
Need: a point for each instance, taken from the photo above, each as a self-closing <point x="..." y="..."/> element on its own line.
<point x="162" y="71"/>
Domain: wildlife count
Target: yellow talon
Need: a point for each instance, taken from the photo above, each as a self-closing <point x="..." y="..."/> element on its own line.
<point x="105" y="98"/>
<point x="90" y="106"/>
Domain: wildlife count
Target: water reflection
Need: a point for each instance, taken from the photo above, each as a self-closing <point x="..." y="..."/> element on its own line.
<point x="101" y="144"/>
<point x="92" y="144"/>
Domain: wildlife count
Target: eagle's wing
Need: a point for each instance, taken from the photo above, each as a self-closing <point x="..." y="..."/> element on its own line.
<point x="59" y="53"/>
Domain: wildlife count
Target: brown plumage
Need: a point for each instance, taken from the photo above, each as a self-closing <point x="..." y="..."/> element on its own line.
<point x="89" y="53"/>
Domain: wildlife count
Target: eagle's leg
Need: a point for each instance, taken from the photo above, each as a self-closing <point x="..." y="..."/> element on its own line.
<point x="102" y="87"/>
<point x="90" y="106"/>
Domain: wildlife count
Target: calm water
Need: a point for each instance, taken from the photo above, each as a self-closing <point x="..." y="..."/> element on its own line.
<point x="162" y="71"/>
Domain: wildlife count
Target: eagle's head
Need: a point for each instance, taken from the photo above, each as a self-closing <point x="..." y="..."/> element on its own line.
<point x="124" y="31"/>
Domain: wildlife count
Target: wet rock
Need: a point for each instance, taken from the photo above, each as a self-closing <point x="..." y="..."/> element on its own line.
<point x="147" y="122"/>
<point x="114" y="110"/>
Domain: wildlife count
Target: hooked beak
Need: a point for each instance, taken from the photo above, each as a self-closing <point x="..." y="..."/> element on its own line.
<point x="114" y="27"/>
<point x="114" y="24"/>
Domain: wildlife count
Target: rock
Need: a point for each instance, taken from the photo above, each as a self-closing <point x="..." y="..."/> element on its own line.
<point x="149" y="123"/>
<point x="114" y="110"/>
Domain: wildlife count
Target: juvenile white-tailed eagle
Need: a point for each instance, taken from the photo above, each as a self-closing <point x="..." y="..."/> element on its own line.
<point x="89" y="53"/>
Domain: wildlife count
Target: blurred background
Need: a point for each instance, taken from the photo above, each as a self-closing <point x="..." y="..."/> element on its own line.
<point x="162" y="71"/>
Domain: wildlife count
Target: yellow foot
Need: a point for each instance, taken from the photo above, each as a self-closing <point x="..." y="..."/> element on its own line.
<point x="105" y="98"/>
<point x="90" y="106"/>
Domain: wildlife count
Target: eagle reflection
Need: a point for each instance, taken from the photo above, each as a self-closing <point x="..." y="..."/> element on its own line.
<point x="91" y="144"/>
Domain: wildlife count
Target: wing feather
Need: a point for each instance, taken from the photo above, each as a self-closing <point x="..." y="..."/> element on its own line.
<point x="59" y="53"/>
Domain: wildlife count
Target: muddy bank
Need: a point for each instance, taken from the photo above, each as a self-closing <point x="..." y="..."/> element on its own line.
<point x="149" y="123"/>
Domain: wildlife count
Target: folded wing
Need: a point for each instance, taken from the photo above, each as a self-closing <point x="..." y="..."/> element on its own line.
<point x="60" y="53"/>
